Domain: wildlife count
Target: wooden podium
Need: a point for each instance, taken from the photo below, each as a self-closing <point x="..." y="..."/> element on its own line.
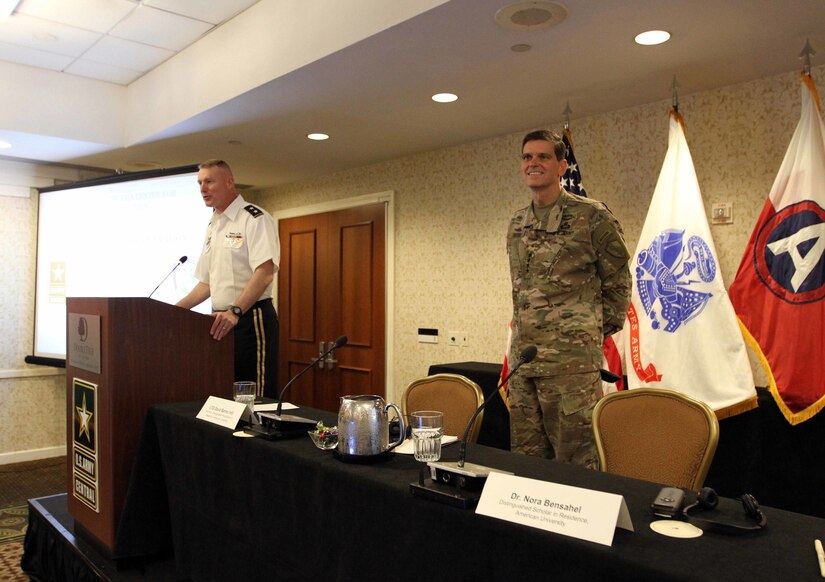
<point x="122" y="356"/>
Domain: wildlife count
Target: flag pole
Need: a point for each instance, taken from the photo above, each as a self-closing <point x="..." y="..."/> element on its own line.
<point x="675" y="94"/>
<point x="805" y="55"/>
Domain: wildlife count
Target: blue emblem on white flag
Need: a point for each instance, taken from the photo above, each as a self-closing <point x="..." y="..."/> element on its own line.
<point x="682" y="333"/>
<point x="668" y="272"/>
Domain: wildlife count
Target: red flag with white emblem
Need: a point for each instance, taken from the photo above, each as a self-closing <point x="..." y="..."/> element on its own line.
<point x="780" y="285"/>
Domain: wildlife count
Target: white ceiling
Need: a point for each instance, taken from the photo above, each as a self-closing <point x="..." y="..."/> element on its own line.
<point x="110" y="40"/>
<point x="364" y="75"/>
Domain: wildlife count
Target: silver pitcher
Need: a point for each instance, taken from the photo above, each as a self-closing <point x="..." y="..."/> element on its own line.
<point x="364" y="427"/>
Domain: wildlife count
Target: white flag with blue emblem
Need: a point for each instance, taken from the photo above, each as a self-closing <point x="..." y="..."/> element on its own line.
<point x="682" y="332"/>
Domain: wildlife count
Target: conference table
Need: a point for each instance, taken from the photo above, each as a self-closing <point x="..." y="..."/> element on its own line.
<point x="237" y="508"/>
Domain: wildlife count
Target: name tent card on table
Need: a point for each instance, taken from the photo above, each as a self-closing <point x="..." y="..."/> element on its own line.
<point x="222" y="412"/>
<point x="572" y="511"/>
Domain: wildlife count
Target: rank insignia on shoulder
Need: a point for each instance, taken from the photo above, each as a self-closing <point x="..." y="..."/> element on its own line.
<point x="253" y="210"/>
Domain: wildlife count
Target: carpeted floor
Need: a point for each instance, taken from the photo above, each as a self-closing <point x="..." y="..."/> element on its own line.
<point x="13" y="523"/>
<point x="18" y="483"/>
<point x="10" y="554"/>
<point x="22" y="481"/>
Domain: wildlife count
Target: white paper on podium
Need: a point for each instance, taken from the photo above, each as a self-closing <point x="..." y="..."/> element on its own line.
<point x="221" y="411"/>
<point x="273" y="406"/>
<point x="406" y="448"/>
<point x="572" y="511"/>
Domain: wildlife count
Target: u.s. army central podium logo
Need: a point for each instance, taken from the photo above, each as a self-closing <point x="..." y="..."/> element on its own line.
<point x="85" y="478"/>
<point x="668" y="273"/>
<point x="788" y="253"/>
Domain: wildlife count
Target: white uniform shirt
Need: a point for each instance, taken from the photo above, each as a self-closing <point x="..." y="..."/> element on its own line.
<point x="237" y="241"/>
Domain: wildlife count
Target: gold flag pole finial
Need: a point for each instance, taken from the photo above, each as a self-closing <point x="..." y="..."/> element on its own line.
<point x="567" y="112"/>
<point x="805" y="55"/>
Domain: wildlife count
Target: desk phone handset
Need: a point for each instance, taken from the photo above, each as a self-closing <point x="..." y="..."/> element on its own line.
<point x="669" y="502"/>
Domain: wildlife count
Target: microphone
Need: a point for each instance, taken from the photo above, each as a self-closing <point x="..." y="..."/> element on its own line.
<point x="277" y="426"/>
<point x="181" y="261"/>
<point x="527" y="355"/>
<point x="459" y="483"/>
<point x="608" y="376"/>
<point x="340" y="342"/>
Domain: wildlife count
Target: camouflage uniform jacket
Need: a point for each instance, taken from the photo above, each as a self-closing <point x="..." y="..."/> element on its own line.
<point x="571" y="284"/>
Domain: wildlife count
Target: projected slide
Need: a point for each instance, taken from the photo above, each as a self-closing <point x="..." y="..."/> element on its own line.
<point x="115" y="240"/>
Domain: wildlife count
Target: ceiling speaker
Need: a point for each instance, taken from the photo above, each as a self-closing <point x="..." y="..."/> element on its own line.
<point x="531" y="16"/>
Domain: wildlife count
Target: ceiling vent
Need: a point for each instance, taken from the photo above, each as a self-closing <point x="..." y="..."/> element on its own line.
<point x="531" y="16"/>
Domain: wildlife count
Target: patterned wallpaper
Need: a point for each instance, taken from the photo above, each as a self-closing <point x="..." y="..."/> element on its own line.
<point x="17" y="258"/>
<point x="451" y="212"/>
<point x="32" y="398"/>
<point x="26" y="404"/>
<point x="452" y="205"/>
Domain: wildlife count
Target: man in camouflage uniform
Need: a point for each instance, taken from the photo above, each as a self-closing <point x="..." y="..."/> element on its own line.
<point x="571" y="288"/>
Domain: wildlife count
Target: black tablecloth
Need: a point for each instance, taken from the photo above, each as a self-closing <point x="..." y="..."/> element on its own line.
<point x="758" y="452"/>
<point x="244" y="509"/>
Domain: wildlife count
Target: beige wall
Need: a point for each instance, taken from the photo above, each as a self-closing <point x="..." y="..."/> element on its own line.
<point x="451" y="212"/>
<point x="452" y="205"/>
<point x="32" y="398"/>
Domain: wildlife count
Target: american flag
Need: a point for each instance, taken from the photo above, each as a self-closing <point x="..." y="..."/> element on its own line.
<point x="572" y="179"/>
<point x="572" y="182"/>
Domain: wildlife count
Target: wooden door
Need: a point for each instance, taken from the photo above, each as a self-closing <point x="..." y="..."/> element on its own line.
<point x="331" y="283"/>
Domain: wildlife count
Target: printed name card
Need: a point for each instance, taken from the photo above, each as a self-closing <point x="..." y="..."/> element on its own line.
<point x="222" y="411"/>
<point x="572" y="511"/>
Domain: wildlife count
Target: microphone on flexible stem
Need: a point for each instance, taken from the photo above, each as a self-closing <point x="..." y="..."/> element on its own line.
<point x="286" y="425"/>
<point x="340" y="342"/>
<point x="527" y="355"/>
<point x="181" y="261"/>
<point x="460" y="483"/>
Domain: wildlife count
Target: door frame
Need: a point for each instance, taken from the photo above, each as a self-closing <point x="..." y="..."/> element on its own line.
<point x="388" y="199"/>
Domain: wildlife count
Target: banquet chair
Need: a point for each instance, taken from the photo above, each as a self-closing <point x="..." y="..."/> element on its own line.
<point x="456" y="396"/>
<point x="657" y="435"/>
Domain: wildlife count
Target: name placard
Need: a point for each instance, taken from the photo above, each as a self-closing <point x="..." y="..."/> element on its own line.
<point x="572" y="511"/>
<point x="221" y="411"/>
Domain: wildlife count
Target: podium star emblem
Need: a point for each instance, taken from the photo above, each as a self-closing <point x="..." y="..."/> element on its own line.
<point x="84" y="417"/>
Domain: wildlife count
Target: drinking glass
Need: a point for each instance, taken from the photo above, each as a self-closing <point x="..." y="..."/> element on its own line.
<point x="244" y="392"/>
<point x="427" y="429"/>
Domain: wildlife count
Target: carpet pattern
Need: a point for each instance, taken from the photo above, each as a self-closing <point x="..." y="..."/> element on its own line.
<point x="19" y="482"/>
<point x="22" y="481"/>
<point x="13" y="522"/>
<point x="10" y="556"/>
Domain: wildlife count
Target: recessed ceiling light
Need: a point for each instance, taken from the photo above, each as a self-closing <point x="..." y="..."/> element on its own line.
<point x="4" y="145"/>
<point x="652" y="37"/>
<point x="317" y="136"/>
<point x="520" y="48"/>
<point x="445" y="97"/>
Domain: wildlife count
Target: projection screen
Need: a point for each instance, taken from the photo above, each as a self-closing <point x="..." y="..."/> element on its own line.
<point x="115" y="237"/>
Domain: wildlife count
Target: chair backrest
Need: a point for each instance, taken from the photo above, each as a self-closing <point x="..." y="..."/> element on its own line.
<point x="456" y="396"/>
<point x="657" y="435"/>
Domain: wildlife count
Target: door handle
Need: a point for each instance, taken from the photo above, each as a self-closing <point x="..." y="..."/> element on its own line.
<point x="330" y="359"/>
<point x="320" y="354"/>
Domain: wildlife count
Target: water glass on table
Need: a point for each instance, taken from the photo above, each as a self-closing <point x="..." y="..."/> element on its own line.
<point x="427" y="430"/>
<point x="244" y="392"/>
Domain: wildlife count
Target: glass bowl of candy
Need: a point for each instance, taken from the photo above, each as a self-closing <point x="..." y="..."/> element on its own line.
<point x="324" y="437"/>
